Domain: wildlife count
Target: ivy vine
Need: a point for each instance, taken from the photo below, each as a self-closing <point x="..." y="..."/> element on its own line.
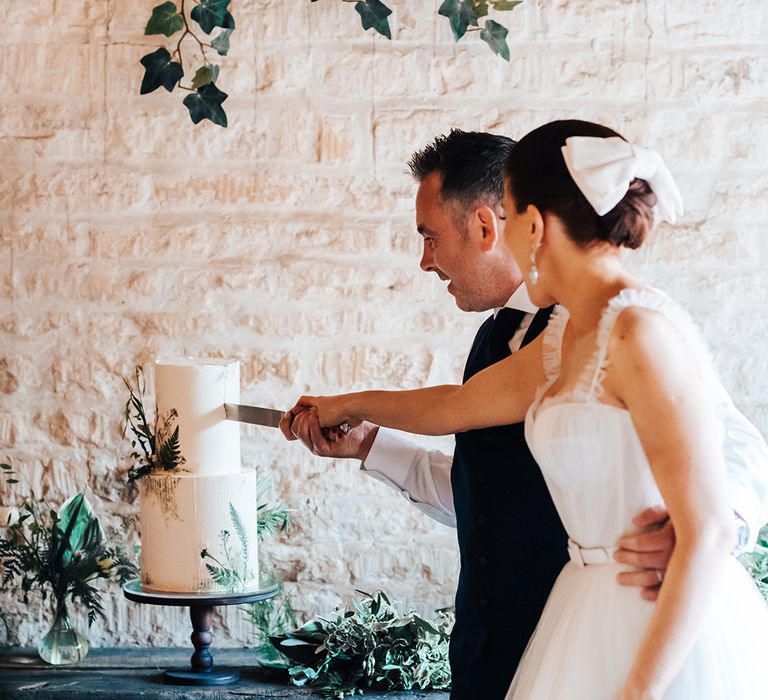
<point x="166" y="69"/>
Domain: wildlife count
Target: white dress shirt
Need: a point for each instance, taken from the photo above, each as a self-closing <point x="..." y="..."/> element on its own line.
<point x="424" y="476"/>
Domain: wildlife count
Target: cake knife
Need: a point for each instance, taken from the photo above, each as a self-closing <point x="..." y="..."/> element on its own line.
<point x="256" y="415"/>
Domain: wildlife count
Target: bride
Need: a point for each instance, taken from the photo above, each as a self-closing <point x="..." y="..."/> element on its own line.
<point x="622" y="412"/>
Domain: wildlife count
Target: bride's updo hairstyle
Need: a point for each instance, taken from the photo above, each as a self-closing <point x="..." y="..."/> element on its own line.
<point x="536" y="173"/>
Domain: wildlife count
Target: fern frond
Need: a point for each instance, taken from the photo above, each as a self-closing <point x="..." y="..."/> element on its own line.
<point x="169" y="452"/>
<point x="242" y="535"/>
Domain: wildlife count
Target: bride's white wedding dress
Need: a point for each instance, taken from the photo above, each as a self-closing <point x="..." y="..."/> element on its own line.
<point x="599" y="477"/>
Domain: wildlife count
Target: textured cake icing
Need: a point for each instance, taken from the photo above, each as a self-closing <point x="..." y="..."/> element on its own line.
<point x="198" y="520"/>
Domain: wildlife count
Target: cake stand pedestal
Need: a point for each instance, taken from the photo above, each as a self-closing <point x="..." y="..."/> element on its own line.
<point x="201" y="607"/>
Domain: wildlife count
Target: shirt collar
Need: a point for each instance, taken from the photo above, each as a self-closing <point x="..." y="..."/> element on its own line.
<point x="521" y="301"/>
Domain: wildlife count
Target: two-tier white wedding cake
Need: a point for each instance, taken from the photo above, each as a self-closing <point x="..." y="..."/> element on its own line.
<point x="198" y="519"/>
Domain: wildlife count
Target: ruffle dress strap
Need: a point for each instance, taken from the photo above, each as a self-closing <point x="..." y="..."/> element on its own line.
<point x="645" y="298"/>
<point x="551" y="351"/>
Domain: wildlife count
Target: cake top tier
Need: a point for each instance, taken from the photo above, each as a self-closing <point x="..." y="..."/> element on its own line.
<point x="191" y="394"/>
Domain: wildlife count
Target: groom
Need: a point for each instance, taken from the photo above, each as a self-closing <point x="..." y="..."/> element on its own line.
<point x="511" y="540"/>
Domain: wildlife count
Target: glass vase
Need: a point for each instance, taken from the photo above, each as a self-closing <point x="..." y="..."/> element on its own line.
<point x="63" y="644"/>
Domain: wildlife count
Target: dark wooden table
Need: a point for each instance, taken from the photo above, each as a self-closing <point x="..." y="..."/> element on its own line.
<point x="133" y="674"/>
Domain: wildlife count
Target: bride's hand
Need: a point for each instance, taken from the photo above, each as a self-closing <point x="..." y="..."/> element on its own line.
<point x="331" y="410"/>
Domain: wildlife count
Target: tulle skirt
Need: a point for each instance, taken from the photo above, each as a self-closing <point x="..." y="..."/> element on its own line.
<point x="591" y="629"/>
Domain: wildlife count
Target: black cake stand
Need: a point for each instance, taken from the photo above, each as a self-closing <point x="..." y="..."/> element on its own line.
<point x="201" y="607"/>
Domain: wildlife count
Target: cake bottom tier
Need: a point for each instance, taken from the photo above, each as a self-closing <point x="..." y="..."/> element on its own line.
<point x="199" y="533"/>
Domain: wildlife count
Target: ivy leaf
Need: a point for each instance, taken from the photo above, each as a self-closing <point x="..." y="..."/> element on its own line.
<point x="495" y="35"/>
<point x="206" y="104"/>
<point x="461" y="15"/>
<point x="165" y="19"/>
<point x="160" y="70"/>
<point x="479" y="7"/>
<point x="213" y="13"/>
<point x="503" y="5"/>
<point x="204" y="75"/>
<point x="221" y="42"/>
<point x="373" y="14"/>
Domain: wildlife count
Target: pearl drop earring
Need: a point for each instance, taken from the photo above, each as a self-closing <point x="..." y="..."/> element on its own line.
<point x="533" y="273"/>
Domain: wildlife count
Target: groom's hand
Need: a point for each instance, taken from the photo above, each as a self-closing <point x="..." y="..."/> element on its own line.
<point x="325" y="442"/>
<point x="648" y="550"/>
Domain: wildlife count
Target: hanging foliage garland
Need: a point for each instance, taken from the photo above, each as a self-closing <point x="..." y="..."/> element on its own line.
<point x="163" y="68"/>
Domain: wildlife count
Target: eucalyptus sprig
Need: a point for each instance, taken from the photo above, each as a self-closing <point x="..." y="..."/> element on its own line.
<point x="63" y="554"/>
<point x="370" y="646"/>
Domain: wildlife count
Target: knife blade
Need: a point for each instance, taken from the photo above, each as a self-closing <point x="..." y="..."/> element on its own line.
<point x="255" y="415"/>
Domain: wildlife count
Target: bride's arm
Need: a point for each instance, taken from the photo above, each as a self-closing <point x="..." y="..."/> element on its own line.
<point x="499" y="395"/>
<point x="674" y="414"/>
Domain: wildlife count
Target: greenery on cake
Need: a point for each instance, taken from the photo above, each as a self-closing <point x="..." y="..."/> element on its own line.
<point x="369" y="646"/>
<point x="151" y="450"/>
<point x="60" y="553"/>
<point x="233" y="572"/>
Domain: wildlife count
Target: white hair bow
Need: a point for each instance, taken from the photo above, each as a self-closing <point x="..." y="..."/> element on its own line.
<point x="604" y="168"/>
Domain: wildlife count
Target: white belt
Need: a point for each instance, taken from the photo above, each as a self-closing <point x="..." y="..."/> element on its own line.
<point x="587" y="556"/>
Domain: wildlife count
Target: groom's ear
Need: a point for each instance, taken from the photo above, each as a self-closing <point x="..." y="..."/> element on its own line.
<point x="485" y="228"/>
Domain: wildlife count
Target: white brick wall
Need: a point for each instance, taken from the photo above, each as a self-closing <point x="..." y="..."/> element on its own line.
<point x="286" y="241"/>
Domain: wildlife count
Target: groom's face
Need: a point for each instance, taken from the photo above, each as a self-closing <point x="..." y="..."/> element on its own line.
<point x="477" y="279"/>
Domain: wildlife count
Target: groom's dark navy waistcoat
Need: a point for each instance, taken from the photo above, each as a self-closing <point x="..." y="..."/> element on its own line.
<point x="511" y="541"/>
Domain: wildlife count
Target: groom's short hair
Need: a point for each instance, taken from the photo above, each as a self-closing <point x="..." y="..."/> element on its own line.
<point x="470" y="163"/>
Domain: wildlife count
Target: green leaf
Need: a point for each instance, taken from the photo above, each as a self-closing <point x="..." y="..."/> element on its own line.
<point x="504" y="5"/>
<point x="213" y="13"/>
<point x="205" y="75"/>
<point x="221" y="42"/>
<point x="479" y="7"/>
<point x="373" y="14"/>
<point x="206" y="104"/>
<point x="160" y="70"/>
<point x="460" y="14"/>
<point x="165" y="20"/>
<point x="495" y="35"/>
<point x="77" y="522"/>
